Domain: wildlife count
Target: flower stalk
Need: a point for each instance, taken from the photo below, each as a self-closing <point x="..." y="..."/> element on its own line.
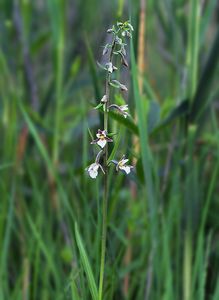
<point x="116" y="47"/>
<point x="105" y="196"/>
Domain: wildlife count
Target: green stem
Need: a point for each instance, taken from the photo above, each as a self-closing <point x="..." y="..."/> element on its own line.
<point x="105" y="195"/>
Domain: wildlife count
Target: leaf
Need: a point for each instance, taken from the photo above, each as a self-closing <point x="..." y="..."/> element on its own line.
<point x="74" y="291"/>
<point x="94" y="75"/>
<point x="116" y="146"/>
<point x="127" y="122"/>
<point x="111" y="134"/>
<point x="181" y="110"/>
<point x="201" y="97"/>
<point x="39" y="42"/>
<point x="86" y="265"/>
<point x="98" y="106"/>
<point x="93" y="72"/>
<point x="153" y="115"/>
<point x="140" y="171"/>
<point x="147" y="159"/>
<point x="75" y="67"/>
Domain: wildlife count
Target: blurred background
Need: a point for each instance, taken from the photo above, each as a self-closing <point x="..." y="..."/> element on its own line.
<point x="163" y="224"/>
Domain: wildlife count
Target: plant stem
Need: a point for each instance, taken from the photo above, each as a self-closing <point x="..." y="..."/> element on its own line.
<point x="105" y="195"/>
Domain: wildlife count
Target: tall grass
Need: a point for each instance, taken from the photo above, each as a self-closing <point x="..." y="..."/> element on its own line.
<point x="48" y="52"/>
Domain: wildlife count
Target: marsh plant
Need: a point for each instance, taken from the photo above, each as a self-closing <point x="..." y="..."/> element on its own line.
<point x="116" y="48"/>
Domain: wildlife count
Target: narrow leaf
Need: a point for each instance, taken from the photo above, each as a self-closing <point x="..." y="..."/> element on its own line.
<point x="86" y="265"/>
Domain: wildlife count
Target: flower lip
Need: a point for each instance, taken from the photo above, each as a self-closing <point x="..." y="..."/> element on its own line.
<point x="94" y="167"/>
<point x="93" y="170"/>
<point x="102" y="138"/>
<point x="122" y="165"/>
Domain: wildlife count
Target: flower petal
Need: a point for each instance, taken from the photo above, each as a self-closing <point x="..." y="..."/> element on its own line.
<point x="93" y="166"/>
<point x="101" y="143"/>
<point x="124" y="161"/>
<point x="124" y="107"/>
<point x="93" y="173"/>
<point x="126" y="169"/>
<point x="93" y="170"/>
<point x="94" y="141"/>
<point x="109" y="139"/>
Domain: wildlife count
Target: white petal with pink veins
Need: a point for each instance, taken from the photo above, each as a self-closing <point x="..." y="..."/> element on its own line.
<point x="101" y="143"/>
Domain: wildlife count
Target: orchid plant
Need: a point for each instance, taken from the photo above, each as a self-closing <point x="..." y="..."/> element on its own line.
<point x="117" y="47"/>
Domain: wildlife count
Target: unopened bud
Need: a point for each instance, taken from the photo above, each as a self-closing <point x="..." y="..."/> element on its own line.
<point x="124" y="62"/>
<point x="104" y="99"/>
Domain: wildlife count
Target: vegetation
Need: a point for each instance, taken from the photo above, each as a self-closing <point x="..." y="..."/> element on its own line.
<point x="162" y="218"/>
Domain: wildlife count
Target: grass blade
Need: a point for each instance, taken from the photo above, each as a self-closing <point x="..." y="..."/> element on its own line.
<point x="142" y="113"/>
<point x="202" y="94"/>
<point x="86" y="265"/>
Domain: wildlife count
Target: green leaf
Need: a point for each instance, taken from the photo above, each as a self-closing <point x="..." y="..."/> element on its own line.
<point x="127" y="122"/>
<point x="39" y="42"/>
<point x="93" y="72"/>
<point x="94" y="75"/>
<point x="74" y="291"/>
<point x="75" y="67"/>
<point x="181" y="110"/>
<point x="153" y="115"/>
<point x="201" y="99"/>
<point x="111" y="134"/>
<point x="116" y="146"/>
<point x="98" y="106"/>
<point x="147" y="160"/>
<point x="86" y="265"/>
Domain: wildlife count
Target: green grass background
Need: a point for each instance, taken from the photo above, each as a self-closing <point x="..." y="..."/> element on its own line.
<point x="50" y="211"/>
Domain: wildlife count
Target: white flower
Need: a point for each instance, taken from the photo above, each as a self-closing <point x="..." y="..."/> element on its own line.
<point x="102" y="138"/>
<point x="122" y="109"/>
<point x="93" y="170"/>
<point x="121" y="165"/>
